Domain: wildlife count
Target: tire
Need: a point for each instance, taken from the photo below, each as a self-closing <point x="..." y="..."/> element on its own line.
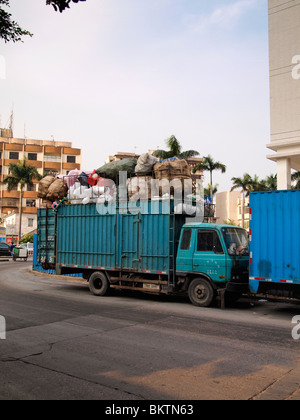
<point x="98" y="284"/>
<point x="201" y="293"/>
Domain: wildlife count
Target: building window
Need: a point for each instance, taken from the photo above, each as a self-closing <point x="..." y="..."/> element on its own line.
<point x="30" y="222"/>
<point x="14" y="155"/>
<point x="32" y="156"/>
<point x="30" y="203"/>
<point x="31" y="188"/>
<point x="71" y="159"/>
<point x="52" y="158"/>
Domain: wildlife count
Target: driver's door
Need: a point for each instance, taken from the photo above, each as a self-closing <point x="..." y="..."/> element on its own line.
<point x="209" y="257"/>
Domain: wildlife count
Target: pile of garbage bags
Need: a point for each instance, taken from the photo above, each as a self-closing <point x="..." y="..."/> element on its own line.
<point x="99" y="186"/>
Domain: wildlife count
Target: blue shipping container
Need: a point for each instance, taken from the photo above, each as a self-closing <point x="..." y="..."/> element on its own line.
<point x="275" y="243"/>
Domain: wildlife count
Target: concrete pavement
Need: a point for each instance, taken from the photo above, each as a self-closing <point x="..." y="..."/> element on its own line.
<point x="64" y="343"/>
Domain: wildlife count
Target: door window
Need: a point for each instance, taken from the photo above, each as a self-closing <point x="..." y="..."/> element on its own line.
<point x="209" y="241"/>
<point x="186" y="240"/>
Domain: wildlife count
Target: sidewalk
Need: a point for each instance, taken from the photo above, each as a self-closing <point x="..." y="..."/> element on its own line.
<point x="285" y="388"/>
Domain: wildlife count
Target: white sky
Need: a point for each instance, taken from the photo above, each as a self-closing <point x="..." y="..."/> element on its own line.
<point x="123" y="75"/>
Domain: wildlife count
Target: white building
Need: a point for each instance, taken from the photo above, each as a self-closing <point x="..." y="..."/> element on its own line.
<point x="284" y="35"/>
<point x="11" y="224"/>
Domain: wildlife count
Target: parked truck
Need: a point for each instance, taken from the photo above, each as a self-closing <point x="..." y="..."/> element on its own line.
<point x="275" y="243"/>
<point x="145" y="249"/>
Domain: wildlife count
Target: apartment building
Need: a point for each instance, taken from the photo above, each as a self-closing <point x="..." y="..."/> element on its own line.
<point x="284" y="35"/>
<point x="229" y="208"/>
<point x="45" y="156"/>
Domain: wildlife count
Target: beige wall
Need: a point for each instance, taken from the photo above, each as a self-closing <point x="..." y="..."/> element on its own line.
<point x="284" y="35"/>
<point x="229" y="207"/>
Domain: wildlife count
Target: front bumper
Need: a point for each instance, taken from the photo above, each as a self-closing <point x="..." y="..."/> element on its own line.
<point x="237" y="287"/>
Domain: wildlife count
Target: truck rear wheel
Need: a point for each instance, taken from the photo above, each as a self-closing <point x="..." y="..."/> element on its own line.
<point x="98" y="284"/>
<point x="201" y="293"/>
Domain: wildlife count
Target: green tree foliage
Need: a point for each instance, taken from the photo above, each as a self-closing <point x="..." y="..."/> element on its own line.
<point x="10" y="31"/>
<point x="210" y="165"/>
<point x="61" y="5"/>
<point x="20" y="175"/>
<point x="27" y="239"/>
<point x="296" y="180"/>
<point x="175" y="150"/>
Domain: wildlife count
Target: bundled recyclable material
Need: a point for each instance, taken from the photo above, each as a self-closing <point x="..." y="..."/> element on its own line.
<point x="79" y="194"/>
<point x="146" y="178"/>
<point x="111" y="170"/>
<point x="57" y="190"/>
<point x="145" y="164"/>
<point x="174" y="168"/>
<point x="44" y="185"/>
<point x="139" y="187"/>
<point x="72" y="177"/>
<point x="52" y="189"/>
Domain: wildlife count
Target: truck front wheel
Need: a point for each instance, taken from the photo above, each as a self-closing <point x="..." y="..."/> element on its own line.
<point x="201" y="293"/>
<point x="98" y="284"/>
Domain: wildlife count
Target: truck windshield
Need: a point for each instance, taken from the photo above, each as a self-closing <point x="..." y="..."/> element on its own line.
<point x="236" y="240"/>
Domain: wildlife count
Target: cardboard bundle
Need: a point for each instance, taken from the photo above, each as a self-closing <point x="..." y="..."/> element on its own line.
<point x="174" y="168"/>
<point x="44" y="185"/>
<point x="57" y="190"/>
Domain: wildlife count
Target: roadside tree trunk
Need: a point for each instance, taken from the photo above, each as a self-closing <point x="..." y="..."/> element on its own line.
<point x="20" y="216"/>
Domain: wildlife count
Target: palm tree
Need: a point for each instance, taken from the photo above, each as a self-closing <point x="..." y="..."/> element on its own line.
<point x="175" y="150"/>
<point x="296" y="178"/>
<point x="207" y="191"/>
<point x="271" y="181"/>
<point x="210" y="165"/>
<point x="267" y="184"/>
<point x="246" y="185"/>
<point x="20" y="175"/>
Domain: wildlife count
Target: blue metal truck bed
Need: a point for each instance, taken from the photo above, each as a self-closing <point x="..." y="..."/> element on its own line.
<point x="140" y="241"/>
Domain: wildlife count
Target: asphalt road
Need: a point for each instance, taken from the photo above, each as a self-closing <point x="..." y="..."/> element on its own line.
<point x="64" y="343"/>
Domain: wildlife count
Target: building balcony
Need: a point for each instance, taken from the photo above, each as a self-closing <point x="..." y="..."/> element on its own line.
<point x="11" y="194"/>
<point x="7" y="162"/>
<point x="30" y="194"/>
<point x="52" y="150"/>
<point x="9" y="202"/>
<point x="29" y="210"/>
<point x="72" y="152"/>
<point x="34" y="149"/>
<point x="13" y="147"/>
<point x="71" y="166"/>
<point x="34" y="164"/>
<point x="9" y="210"/>
<point x="55" y="166"/>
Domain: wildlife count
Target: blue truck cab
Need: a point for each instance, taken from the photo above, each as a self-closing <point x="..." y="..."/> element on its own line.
<point x="216" y="257"/>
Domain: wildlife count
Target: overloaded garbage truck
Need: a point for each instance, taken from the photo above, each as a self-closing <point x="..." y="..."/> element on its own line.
<point x="145" y="249"/>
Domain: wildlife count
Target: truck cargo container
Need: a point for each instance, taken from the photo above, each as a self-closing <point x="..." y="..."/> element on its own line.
<point x="275" y="243"/>
<point x="149" y="249"/>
